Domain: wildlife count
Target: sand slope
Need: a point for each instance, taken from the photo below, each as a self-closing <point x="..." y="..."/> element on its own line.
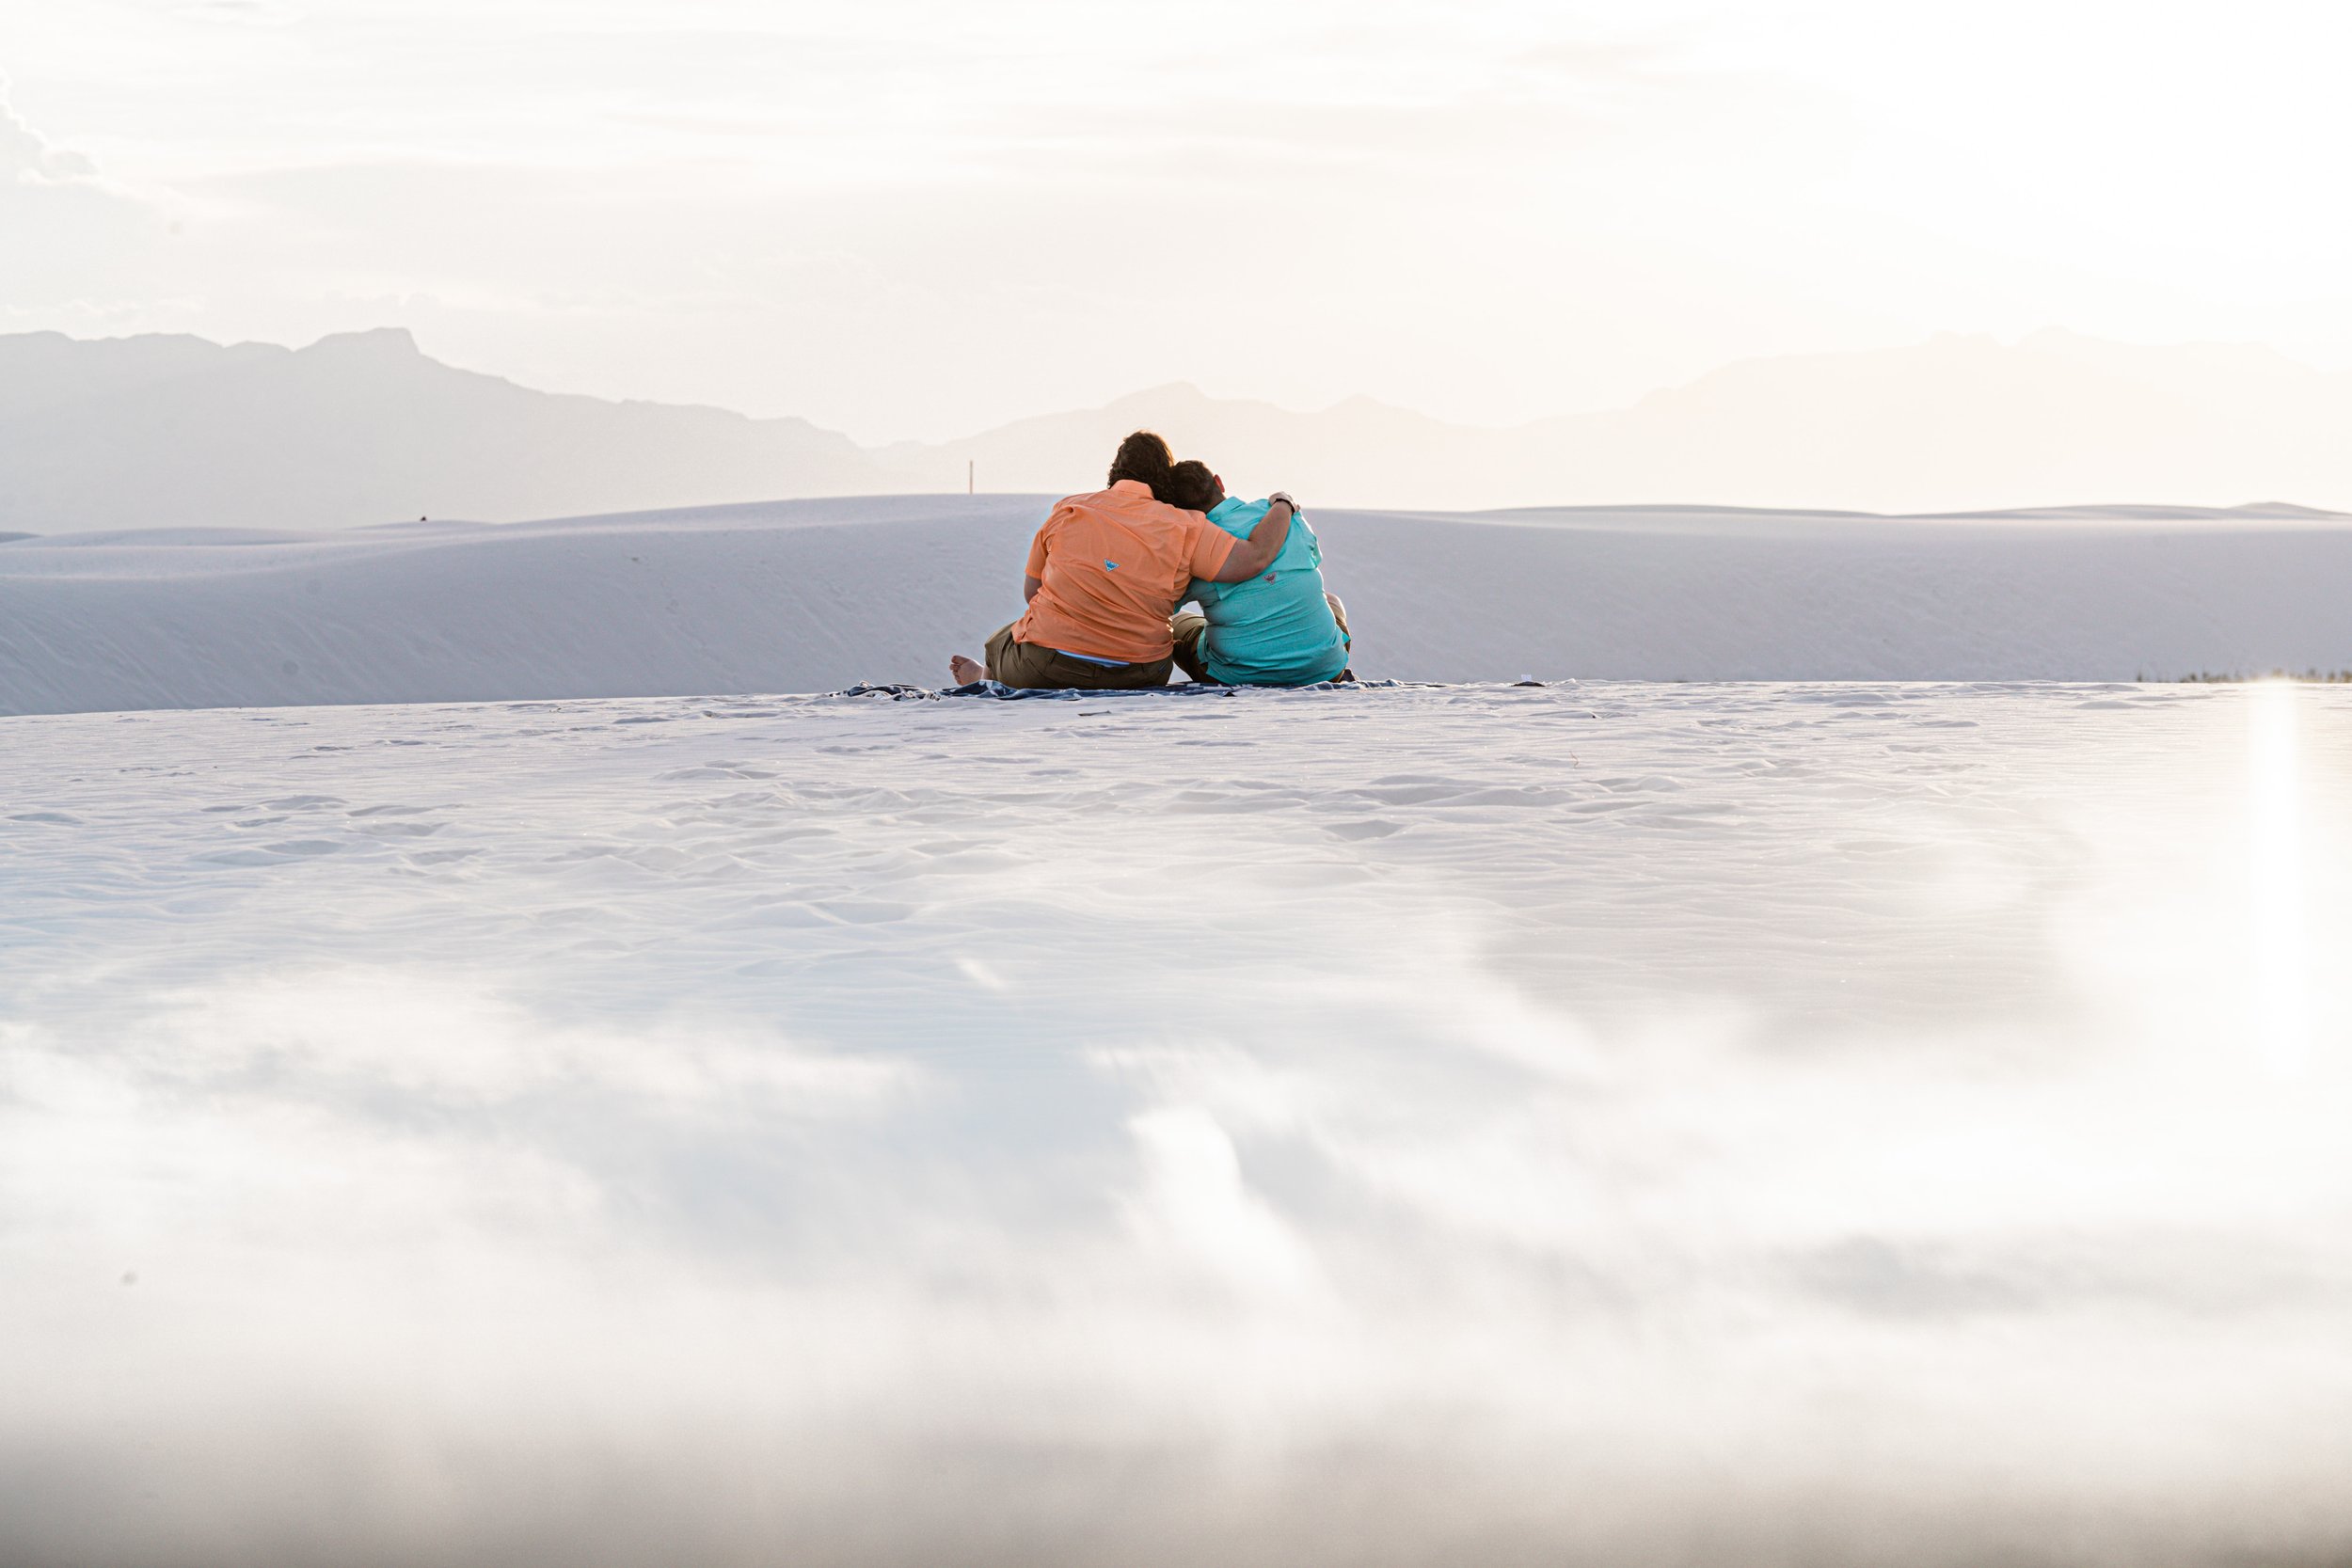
<point x="814" y="595"/>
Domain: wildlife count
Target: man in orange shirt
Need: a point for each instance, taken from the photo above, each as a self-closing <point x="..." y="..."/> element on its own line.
<point x="1107" y="570"/>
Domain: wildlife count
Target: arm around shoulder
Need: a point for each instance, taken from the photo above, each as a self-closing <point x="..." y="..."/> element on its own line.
<point x="1254" y="554"/>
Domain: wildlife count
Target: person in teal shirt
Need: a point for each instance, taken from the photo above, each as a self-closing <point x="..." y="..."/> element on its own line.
<point x="1276" y="628"/>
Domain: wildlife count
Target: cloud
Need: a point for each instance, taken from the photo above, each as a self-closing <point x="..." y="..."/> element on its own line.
<point x="1195" y="1203"/>
<point x="26" y="156"/>
<point x="381" y="1034"/>
<point x="82" y="251"/>
<point x="243" y="13"/>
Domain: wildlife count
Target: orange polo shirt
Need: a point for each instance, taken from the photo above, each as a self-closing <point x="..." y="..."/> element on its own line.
<point x="1115" y="566"/>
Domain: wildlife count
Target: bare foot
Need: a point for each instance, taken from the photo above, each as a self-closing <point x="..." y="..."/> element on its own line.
<point x="966" y="670"/>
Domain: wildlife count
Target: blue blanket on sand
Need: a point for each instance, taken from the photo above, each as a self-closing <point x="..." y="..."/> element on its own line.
<point x="1003" y="693"/>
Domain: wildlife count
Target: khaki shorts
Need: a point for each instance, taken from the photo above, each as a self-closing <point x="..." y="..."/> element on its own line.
<point x="1026" y="664"/>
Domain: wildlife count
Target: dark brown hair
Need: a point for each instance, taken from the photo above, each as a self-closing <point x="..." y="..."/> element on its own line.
<point x="1144" y="457"/>
<point x="1190" y="485"/>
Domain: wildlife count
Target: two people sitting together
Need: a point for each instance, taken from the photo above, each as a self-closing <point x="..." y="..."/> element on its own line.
<point x="1107" y="572"/>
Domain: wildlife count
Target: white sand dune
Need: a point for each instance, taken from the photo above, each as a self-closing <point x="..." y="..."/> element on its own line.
<point x="815" y="596"/>
<point x="1788" y="1125"/>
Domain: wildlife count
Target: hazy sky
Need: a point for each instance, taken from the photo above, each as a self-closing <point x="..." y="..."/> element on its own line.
<point x="910" y="217"/>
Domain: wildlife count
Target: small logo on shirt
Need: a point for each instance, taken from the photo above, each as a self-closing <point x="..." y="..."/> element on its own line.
<point x="1110" y="565"/>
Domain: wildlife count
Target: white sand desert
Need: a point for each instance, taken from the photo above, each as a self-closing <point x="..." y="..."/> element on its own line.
<point x="1606" y="1123"/>
<point x="817" y="595"/>
<point x="1794" y="1017"/>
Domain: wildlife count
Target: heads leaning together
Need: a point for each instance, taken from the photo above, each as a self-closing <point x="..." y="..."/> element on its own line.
<point x="1190" y="486"/>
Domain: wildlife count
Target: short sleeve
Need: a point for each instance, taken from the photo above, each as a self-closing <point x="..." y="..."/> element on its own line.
<point x="1212" y="547"/>
<point x="1037" y="550"/>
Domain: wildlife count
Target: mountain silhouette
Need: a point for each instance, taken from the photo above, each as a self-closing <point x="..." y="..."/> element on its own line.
<point x="362" y="428"/>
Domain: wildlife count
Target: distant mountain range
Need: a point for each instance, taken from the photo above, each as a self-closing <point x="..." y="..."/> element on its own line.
<point x="362" y="428"/>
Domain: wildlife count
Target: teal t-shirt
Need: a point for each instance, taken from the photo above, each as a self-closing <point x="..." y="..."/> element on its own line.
<point x="1274" y="629"/>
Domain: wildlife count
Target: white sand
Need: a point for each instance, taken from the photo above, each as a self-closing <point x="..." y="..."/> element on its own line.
<point x="817" y="596"/>
<point x="1793" y="1125"/>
